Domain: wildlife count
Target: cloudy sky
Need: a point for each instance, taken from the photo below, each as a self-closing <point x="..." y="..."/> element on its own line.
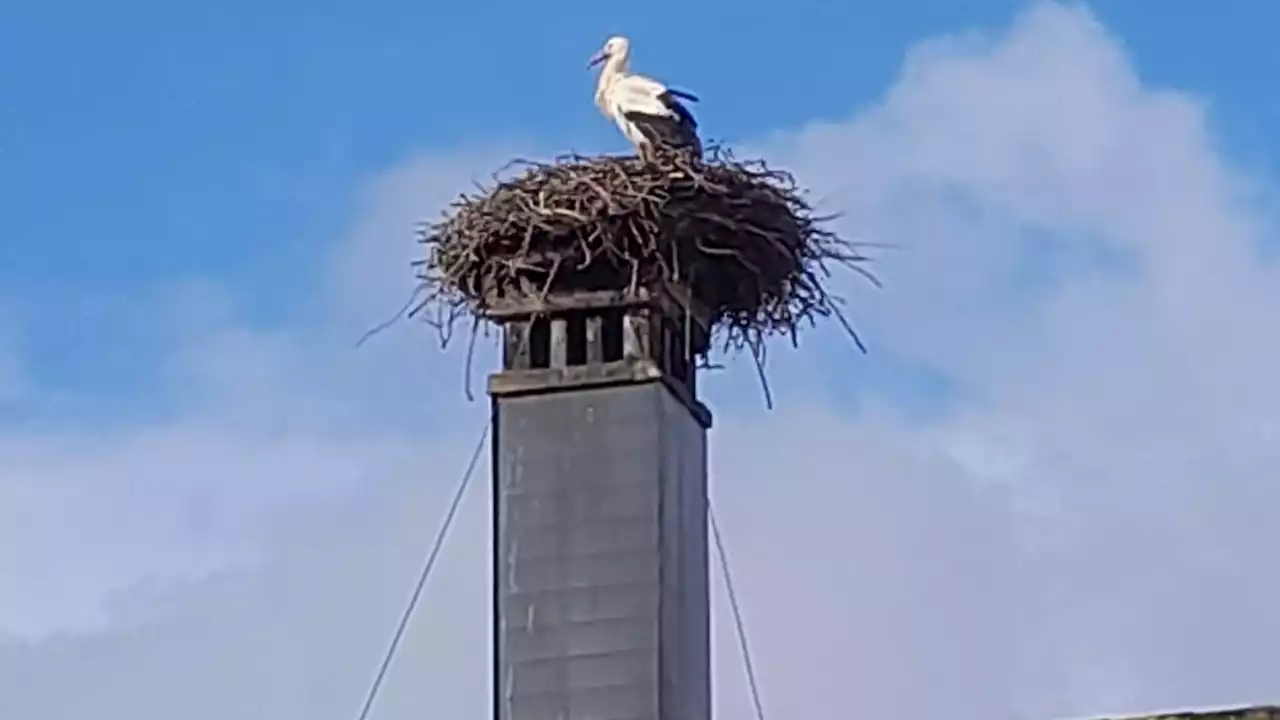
<point x="1044" y="494"/>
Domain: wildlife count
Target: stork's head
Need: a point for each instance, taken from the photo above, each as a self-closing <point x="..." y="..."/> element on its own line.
<point x="617" y="48"/>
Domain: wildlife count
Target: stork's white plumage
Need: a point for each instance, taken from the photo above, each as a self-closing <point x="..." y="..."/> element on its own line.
<point x="649" y="113"/>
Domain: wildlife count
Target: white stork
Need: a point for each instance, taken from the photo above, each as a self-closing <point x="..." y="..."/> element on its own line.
<point x="648" y="113"/>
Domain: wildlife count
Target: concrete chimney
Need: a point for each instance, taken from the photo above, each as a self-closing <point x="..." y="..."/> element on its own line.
<point x="600" y="607"/>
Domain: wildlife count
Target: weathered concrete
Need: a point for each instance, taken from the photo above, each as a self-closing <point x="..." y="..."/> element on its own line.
<point x="600" y="567"/>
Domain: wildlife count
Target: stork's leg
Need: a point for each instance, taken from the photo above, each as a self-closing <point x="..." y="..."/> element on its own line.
<point x="646" y="153"/>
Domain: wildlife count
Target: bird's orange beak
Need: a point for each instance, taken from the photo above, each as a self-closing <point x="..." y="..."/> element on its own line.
<point x="598" y="58"/>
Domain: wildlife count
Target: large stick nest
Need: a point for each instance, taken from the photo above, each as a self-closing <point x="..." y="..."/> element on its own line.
<point x="739" y="235"/>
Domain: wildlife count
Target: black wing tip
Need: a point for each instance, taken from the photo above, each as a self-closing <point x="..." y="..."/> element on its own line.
<point x="679" y="109"/>
<point x="672" y="92"/>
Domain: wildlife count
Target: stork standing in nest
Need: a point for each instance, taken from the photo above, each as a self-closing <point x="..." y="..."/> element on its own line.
<point x="649" y="113"/>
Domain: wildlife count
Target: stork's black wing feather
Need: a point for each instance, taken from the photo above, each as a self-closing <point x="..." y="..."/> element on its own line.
<point x="667" y="131"/>
<point x="668" y="98"/>
<point x="682" y="95"/>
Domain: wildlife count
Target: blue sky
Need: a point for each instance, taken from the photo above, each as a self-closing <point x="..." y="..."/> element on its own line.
<point x="1022" y="504"/>
<point x="145" y="143"/>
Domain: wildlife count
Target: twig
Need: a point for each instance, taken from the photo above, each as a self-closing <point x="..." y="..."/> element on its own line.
<point x="417" y="291"/>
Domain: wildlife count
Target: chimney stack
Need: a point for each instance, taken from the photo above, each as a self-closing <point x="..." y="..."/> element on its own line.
<point x="601" y="603"/>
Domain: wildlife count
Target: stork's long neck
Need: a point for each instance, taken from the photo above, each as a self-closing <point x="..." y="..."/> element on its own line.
<point x="614" y="68"/>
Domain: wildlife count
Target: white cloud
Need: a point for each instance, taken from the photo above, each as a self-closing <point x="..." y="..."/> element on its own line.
<point x="1086" y="531"/>
<point x="295" y="629"/>
<point x="1130" y="407"/>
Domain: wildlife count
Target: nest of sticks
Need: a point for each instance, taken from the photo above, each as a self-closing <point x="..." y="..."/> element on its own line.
<point x="739" y="236"/>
